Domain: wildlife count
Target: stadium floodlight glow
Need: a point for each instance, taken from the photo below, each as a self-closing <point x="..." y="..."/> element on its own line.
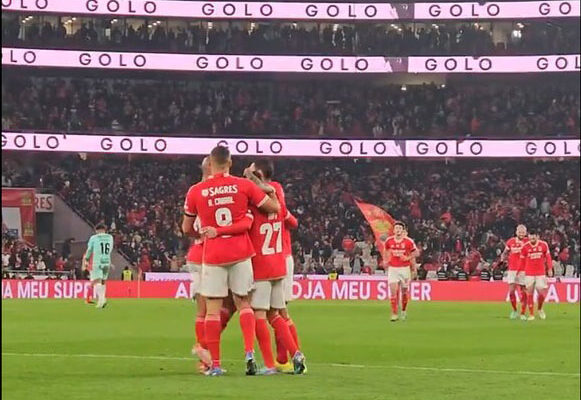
<point x="327" y="11"/>
<point x="22" y="57"/>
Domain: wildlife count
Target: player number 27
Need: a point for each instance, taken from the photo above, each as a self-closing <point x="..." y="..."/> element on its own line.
<point x="270" y="229"/>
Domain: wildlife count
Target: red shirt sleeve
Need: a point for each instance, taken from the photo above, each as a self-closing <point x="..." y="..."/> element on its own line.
<point x="190" y="204"/>
<point x="256" y="196"/>
<point x="290" y="221"/>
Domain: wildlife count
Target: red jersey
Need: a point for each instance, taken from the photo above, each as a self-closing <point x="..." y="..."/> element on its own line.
<point x="535" y="258"/>
<point x="266" y="234"/>
<point x="220" y="201"/>
<point x="197" y="247"/>
<point x="514" y="246"/>
<point x="398" y="249"/>
<point x="289" y="220"/>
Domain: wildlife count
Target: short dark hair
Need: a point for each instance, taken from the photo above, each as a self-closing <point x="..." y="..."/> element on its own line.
<point x="533" y="231"/>
<point x="100" y="227"/>
<point x="220" y="155"/>
<point x="266" y="167"/>
<point x="400" y="223"/>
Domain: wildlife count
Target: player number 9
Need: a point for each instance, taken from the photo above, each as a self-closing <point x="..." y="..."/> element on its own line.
<point x="223" y="217"/>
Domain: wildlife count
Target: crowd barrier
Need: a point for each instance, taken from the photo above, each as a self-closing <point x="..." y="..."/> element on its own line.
<point x="305" y="289"/>
<point x="309" y="11"/>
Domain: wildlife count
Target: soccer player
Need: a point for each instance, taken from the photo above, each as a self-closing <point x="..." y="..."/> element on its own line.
<point x="220" y="202"/>
<point x="401" y="252"/>
<point x="98" y="254"/>
<point x="536" y="260"/>
<point x="270" y="270"/>
<point x="194" y="266"/>
<point x="516" y="274"/>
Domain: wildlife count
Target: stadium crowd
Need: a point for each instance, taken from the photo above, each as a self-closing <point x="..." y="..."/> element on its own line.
<point x="24" y="262"/>
<point x="295" y="38"/>
<point x="141" y="201"/>
<point x="295" y="108"/>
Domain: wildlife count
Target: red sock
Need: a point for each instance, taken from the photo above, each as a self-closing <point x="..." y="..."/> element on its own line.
<point x="281" y="330"/>
<point x="531" y="301"/>
<point x="512" y="296"/>
<point x="404" y="301"/>
<point x="281" y="353"/>
<point x="523" y="302"/>
<point x="89" y="296"/>
<point x="248" y="327"/>
<point x="540" y="301"/>
<point x="213" y="330"/>
<point x="263" y="337"/>
<point x="200" y="329"/>
<point x="393" y="300"/>
<point x="293" y="330"/>
<point x="225" y="316"/>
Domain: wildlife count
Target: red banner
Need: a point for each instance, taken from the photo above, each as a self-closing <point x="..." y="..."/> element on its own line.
<point x="559" y="292"/>
<point x="380" y="221"/>
<point x="18" y="214"/>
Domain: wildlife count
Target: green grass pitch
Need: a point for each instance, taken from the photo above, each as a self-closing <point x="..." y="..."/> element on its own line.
<point x="139" y="349"/>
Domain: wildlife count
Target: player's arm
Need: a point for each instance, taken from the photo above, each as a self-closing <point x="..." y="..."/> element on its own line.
<point x="290" y="221"/>
<point x="549" y="259"/>
<point x="523" y="258"/>
<point x="88" y="253"/>
<point x="504" y="255"/>
<point x="236" y="228"/>
<point x="190" y="213"/>
<point x="267" y="203"/>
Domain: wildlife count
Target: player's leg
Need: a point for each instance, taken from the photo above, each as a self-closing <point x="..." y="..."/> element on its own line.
<point x="393" y="299"/>
<point x="511" y="277"/>
<point x="227" y="311"/>
<point x="214" y="288"/>
<point x="281" y="327"/>
<point x="530" y="286"/>
<point x="89" y="295"/>
<point x="405" y="278"/>
<point x="542" y="285"/>
<point x="241" y="283"/>
<point x="260" y="301"/>
<point x="520" y="281"/>
<point x="288" y="297"/>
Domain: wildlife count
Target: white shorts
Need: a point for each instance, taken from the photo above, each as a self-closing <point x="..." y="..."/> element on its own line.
<point x="515" y="277"/>
<point x="196" y="271"/>
<point x="267" y="295"/>
<point x="288" y="279"/>
<point x="399" y="275"/>
<point x="538" y="281"/>
<point x="217" y="280"/>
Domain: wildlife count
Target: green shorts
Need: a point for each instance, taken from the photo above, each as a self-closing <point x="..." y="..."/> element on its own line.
<point x="99" y="272"/>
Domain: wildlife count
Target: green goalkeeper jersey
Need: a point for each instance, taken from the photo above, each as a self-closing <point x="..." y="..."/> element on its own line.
<point x="99" y="249"/>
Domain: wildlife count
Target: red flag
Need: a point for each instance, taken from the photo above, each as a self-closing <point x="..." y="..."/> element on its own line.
<point x="380" y="221"/>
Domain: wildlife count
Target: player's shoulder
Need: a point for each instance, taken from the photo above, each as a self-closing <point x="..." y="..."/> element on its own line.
<point x="390" y="239"/>
<point x="409" y="240"/>
<point x="510" y="241"/>
<point x="544" y="243"/>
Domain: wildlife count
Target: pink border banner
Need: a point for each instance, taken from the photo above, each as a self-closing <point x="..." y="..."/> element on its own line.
<point x="200" y="62"/>
<point x="300" y="11"/>
<point x="302" y="289"/>
<point x="496" y="10"/>
<point x="31" y="141"/>
<point x="495" y="64"/>
<point x="300" y="64"/>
